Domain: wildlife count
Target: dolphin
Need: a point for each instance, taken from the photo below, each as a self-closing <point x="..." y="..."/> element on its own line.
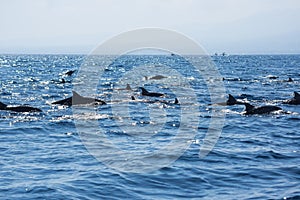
<point x="156" y="77"/>
<point x="69" y="73"/>
<point x="161" y="101"/>
<point x="77" y="99"/>
<point x="230" y="102"/>
<point x="128" y="87"/>
<point x="150" y="94"/>
<point x="250" y="109"/>
<point x="19" y="108"/>
<point x="176" y="101"/>
<point x="293" y="101"/>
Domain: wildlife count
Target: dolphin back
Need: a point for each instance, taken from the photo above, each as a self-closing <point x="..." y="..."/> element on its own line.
<point x="2" y="106"/>
<point x="24" y="109"/>
<point x="77" y="99"/>
<point x="249" y="107"/>
<point x="67" y="102"/>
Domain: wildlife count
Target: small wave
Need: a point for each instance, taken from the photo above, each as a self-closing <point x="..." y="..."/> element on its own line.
<point x="273" y="154"/>
<point x="86" y="116"/>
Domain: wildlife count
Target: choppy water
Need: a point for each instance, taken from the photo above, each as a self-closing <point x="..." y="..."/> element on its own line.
<point x="43" y="157"/>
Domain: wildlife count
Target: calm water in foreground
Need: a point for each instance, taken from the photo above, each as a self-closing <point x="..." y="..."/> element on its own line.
<point x="42" y="155"/>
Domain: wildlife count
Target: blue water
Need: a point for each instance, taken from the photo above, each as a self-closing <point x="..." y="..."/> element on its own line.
<point x="42" y="155"/>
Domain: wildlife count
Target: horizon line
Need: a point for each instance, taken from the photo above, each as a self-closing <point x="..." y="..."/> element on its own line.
<point x="210" y="54"/>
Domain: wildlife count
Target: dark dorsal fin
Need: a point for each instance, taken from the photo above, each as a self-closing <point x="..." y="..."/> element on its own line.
<point x="144" y="91"/>
<point x="231" y="99"/>
<point x="2" y="105"/>
<point x="176" y="101"/>
<point x="296" y="95"/>
<point x="132" y="98"/>
<point x="69" y="73"/>
<point x="128" y="87"/>
<point x="249" y="107"/>
<point x="76" y="95"/>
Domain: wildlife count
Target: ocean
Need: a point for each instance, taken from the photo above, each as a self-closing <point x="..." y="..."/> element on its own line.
<point x="46" y="155"/>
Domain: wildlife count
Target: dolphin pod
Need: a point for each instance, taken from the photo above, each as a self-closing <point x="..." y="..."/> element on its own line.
<point x="19" y="108"/>
<point x="77" y="99"/>
<point x="250" y="109"/>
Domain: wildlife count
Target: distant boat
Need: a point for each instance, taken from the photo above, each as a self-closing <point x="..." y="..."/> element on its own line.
<point x="222" y="54"/>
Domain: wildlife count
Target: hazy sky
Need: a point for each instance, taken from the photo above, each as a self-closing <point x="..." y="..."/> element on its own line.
<point x="78" y="26"/>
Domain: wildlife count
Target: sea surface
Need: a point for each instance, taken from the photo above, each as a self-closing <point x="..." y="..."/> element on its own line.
<point x="43" y="155"/>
